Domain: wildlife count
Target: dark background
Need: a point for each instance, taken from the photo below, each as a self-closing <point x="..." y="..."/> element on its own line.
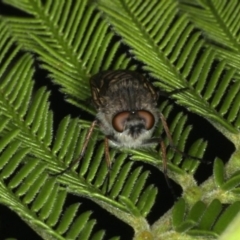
<point x="12" y="226"/>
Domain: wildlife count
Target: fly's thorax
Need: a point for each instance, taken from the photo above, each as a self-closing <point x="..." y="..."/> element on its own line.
<point x="128" y="95"/>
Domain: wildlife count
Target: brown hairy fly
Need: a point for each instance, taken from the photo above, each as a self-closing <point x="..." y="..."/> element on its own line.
<point x="127" y="113"/>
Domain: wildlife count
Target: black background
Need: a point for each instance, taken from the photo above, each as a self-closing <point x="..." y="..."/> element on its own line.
<point x="12" y="226"/>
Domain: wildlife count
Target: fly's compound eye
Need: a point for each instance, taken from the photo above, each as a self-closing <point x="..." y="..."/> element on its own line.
<point x="119" y="121"/>
<point x="147" y="117"/>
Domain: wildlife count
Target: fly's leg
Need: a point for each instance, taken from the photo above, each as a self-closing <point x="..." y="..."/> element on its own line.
<point x="165" y="126"/>
<point x="164" y="157"/>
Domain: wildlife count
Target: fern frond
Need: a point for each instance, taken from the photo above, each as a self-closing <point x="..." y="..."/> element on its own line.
<point x="29" y="151"/>
<point x="33" y="127"/>
<point x="220" y="23"/>
<point x="177" y="59"/>
<point x="32" y="118"/>
<point x="42" y="209"/>
<point x="70" y="48"/>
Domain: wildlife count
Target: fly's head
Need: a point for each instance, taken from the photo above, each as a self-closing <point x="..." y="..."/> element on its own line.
<point x="126" y="106"/>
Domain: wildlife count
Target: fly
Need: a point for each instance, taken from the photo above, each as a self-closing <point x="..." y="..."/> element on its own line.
<point x="127" y="114"/>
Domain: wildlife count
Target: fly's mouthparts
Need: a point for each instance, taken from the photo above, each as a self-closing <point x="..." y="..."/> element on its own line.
<point x="136" y="130"/>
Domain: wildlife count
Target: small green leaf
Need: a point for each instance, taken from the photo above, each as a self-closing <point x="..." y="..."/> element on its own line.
<point x="196" y="211"/>
<point x="8" y="153"/>
<point x="42" y="129"/>
<point x="210" y="215"/>
<point x="43" y="195"/>
<point x="39" y="98"/>
<point x="214" y="78"/>
<point x="30" y="180"/>
<point x="80" y="225"/>
<point x="218" y="172"/>
<point x="68" y="217"/>
<point x="48" y="206"/>
<point x="148" y="198"/>
<point x="35" y="188"/>
<point x="60" y="136"/>
<point x="118" y="185"/>
<point x="100" y="236"/>
<point x="14" y="162"/>
<point x="68" y="139"/>
<point x="197" y="149"/>
<point x="48" y="134"/>
<point x="221" y="88"/>
<point x="40" y="113"/>
<point x="178" y="213"/>
<point x="139" y="185"/>
<point x="87" y="230"/>
<point x="231" y="183"/>
<point x="96" y="161"/>
<point x="57" y="208"/>
<point x="4" y="141"/>
<point x="131" y="180"/>
<point x="19" y="176"/>
<point x="230" y="97"/>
